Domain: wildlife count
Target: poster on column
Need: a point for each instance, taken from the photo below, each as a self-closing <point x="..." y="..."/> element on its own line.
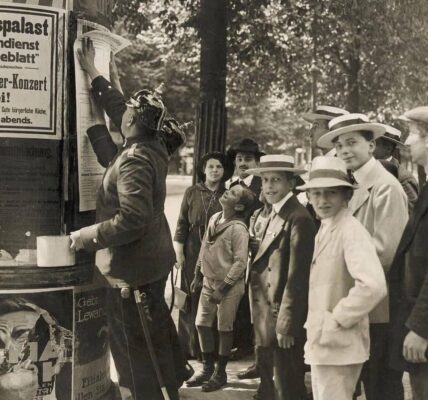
<point x="32" y="52"/>
<point x="105" y="43"/>
<point x="36" y="359"/>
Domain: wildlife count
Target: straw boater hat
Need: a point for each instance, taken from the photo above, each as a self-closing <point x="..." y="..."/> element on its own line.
<point x="349" y="123"/>
<point x="327" y="172"/>
<point x="275" y="162"/>
<point x="324" y="112"/>
<point x="392" y="134"/>
<point x="416" y="114"/>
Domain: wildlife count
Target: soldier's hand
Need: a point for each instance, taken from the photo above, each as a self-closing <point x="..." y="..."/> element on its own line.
<point x="415" y="348"/>
<point x="86" y="57"/>
<point x="76" y="241"/>
<point x="285" y="341"/>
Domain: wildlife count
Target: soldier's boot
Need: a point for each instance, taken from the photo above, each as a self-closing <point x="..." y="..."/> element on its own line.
<point x="207" y="370"/>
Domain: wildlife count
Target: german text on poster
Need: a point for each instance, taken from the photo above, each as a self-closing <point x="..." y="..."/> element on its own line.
<point x="31" y="67"/>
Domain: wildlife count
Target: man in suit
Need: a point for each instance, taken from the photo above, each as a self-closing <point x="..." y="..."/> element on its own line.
<point x="245" y="154"/>
<point x="380" y="204"/>
<point x="279" y="280"/>
<point x="409" y="274"/>
<point x="386" y="145"/>
<point x="133" y="241"/>
<point x="319" y="120"/>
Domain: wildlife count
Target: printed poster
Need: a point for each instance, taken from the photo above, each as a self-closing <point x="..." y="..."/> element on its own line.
<point x="32" y="54"/>
<point x="89" y="170"/>
<point x="36" y="355"/>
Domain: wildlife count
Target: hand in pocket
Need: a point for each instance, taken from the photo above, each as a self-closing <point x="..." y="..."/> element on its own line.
<point x="333" y="334"/>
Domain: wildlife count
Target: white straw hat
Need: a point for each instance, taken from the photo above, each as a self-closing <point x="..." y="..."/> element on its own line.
<point x="275" y="162"/>
<point x="416" y="114"/>
<point x="392" y="134"/>
<point x="349" y="123"/>
<point x="327" y="172"/>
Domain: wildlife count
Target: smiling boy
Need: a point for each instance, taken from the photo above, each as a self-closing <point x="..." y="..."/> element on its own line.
<point x="279" y="278"/>
<point x="221" y="269"/>
<point x="380" y="204"/>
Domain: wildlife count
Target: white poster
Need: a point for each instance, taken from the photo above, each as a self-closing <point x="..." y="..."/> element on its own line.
<point x="32" y="50"/>
<point x="90" y="172"/>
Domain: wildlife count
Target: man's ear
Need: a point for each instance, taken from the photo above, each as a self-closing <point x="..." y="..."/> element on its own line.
<point x="239" y="207"/>
<point x="372" y="145"/>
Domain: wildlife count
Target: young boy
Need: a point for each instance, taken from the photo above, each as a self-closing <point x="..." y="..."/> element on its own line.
<point x="346" y="283"/>
<point x="279" y="280"/>
<point x="380" y="204"/>
<point x="221" y="269"/>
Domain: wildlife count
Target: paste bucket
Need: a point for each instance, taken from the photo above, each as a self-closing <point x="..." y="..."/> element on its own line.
<point x="54" y="251"/>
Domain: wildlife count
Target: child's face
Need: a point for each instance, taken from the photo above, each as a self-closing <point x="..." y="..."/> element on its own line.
<point x="244" y="161"/>
<point x="417" y="141"/>
<point x="354" y="149"/>
<point x="275" y="186"/>
<point x="327" y="202"/>
<point x="231" y="197"/>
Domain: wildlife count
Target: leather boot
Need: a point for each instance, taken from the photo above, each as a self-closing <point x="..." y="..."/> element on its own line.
<point x="206" y="373"/>
<point x="216" y="382"/>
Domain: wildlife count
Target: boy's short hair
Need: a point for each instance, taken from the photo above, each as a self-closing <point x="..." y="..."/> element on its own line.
<point x="365" y="134"/>
<point x="248" y="199"/>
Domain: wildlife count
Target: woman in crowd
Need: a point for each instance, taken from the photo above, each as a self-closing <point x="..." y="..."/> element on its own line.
<point x="200" y="202"/>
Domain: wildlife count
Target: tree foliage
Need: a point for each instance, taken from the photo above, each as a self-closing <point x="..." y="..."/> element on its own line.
<point x="367" y="55"/>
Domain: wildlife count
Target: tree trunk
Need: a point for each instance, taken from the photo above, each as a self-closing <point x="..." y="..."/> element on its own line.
<point x="212" y="114"/>
<point x="353" y="99"/>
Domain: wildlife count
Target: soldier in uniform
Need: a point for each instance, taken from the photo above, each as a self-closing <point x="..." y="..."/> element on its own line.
<point x="133" y="240"/>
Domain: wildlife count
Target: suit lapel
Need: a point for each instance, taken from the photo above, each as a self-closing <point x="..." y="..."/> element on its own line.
<point x="276" y="226"/>
<point x="272" y="230"/>
<point x="320" y="246"/>
<point x="361" y="195"/>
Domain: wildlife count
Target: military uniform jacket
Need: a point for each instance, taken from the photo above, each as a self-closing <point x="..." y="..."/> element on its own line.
<point x="131" y="236"/>
<point x="409" y="281"/>
<point x="279" y="274"/>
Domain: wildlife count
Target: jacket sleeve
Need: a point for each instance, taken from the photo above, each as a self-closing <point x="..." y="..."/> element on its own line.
<point x="418" y="319"/>
<point x="239" y="236"/>
<point x="390" y="219"/>
<point x="294" y="305"/>
<point x="364" y="267"/>
<point x="110" y="99"/>
<point x="102" y="144"/>
<point x="410" y="186"/>
<point x="134" y="188"/>
<point x="183" y="223"/>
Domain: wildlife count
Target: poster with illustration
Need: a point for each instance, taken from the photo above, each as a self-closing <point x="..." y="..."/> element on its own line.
<point x="36" y="346"/>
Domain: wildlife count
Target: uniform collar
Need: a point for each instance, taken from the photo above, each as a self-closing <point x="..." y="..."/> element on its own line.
<point x="138" y="139"/>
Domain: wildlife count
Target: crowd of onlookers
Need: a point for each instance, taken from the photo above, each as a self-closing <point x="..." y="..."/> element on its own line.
<point x="323" y="269"/>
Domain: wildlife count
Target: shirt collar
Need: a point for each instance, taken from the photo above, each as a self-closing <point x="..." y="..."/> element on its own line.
<point x="362" y="173"/>
<point x="246" y="180"/>
<point x="389" y="159"/>
<point x="277" y="206"/>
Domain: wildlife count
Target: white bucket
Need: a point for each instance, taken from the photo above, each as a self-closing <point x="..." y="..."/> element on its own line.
<point x="54" y="251"/>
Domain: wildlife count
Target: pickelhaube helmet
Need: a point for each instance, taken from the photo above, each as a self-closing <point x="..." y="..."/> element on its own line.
<point x="172" y="134"/>
<point x="149" y="107"/>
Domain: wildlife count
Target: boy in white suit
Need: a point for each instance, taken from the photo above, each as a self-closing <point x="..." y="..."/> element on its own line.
<point x="346" y="283"/>
<point x="380" y="204"/>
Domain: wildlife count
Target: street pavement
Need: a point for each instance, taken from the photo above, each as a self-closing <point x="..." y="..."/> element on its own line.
<point x="236" y="389"/>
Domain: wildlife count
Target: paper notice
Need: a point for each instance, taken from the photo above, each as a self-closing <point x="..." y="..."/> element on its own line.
<point x="90" y="172"/>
